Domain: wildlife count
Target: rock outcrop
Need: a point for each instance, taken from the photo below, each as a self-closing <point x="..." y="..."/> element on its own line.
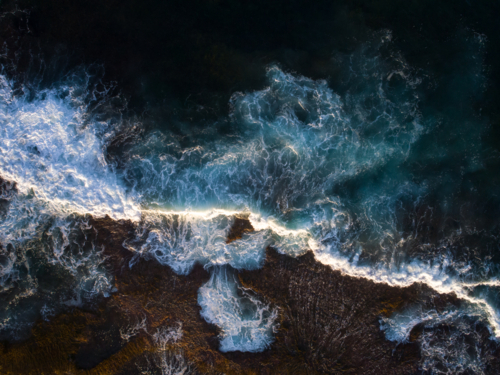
<point x="328" y="322"/>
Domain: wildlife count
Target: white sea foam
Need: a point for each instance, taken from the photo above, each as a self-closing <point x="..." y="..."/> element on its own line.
<point x="126" y="333"/>
<point x="246" y="323"/>
<point x="435" y="276"/>
<point x="449" y="350"/>
<point x="181" y="239"/>
<point x="168" y="336"/>
<point x="51" y="150"/>
<point x="399" y="326"/>
<point x="453" y="350"/>
<point x="162" y="337"/>
<point x="173" y="364"/>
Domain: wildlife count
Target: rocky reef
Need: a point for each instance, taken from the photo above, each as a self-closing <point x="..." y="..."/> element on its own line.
<point x="327" y="322"/>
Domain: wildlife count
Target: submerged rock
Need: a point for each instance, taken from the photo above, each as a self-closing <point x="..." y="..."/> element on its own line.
<point x="7" y="190"/>
<point x="241" y="225"/>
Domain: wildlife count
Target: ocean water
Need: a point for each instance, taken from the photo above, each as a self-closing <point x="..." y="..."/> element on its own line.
<point x="375" y="183"/>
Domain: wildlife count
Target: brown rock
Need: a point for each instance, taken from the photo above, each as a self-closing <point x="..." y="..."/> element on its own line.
<point x="328" y="322"/>
<point x="241" y="225"/>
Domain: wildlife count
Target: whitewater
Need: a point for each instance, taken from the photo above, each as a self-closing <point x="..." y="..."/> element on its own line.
<point x="295" y="142"/>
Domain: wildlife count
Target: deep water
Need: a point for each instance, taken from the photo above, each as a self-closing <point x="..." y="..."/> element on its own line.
<point x="370" y="139"/>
